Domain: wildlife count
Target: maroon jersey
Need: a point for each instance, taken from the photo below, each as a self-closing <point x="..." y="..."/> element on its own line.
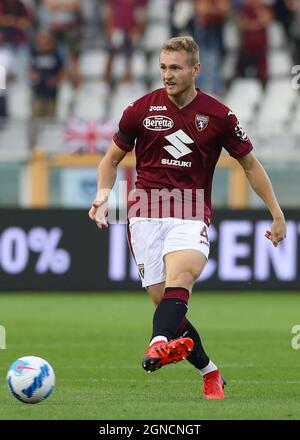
<point x="179" y="148"/>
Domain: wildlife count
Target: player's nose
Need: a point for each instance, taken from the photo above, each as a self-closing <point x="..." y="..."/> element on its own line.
<point x="168" y="78"/>
<point x="167" y="74"/>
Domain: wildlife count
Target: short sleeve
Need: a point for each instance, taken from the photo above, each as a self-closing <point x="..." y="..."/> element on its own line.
<point x="234" y="138"/>
<point x="126" y="136"/>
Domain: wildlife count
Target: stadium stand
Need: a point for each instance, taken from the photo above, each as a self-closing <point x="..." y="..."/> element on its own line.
<point x="91" y="63"/>
<point x="276" y="109"/>
<point x="90" y="100"/>
<point x="124" y="95"/>
<point x="18" y="101"/>
<point x="243" y="97"/>
<point x="280" y="62"/>
<point x="273" y="110"/>
<point x="295" y="124"/>
<point x="276" y="36"/>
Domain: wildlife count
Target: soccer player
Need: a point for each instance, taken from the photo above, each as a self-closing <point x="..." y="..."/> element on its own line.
<point x="178" y="133"/>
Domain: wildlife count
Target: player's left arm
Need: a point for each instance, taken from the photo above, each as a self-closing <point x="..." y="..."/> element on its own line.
<point x="261" y="184"/>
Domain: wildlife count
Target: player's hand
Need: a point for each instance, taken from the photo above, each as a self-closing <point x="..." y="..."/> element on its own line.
<point x="278" y="231"/>
<point x="98" y="212"/>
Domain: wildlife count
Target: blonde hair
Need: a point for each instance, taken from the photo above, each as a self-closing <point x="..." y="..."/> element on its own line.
<point x="186" y="43"/>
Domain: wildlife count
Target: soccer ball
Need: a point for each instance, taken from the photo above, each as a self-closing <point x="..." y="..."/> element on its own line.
<point x="31" y="379"/>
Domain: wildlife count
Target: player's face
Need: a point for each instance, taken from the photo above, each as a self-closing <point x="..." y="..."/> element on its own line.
<point x="177" y="73"/>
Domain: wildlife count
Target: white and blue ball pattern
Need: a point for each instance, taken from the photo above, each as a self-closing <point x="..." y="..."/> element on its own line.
<point x="31" y="379"/>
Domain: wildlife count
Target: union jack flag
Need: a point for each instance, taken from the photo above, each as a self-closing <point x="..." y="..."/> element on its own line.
<point x="89" y="137"/>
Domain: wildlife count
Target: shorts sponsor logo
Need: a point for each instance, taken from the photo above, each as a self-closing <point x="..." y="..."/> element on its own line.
<point x="155" y="108"/>
<point x="158" y="123"/>
<point x="141" y="268"/>
<point x="201" y="122"/>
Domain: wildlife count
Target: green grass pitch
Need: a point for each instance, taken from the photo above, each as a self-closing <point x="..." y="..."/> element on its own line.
<point x="95" y="342"/>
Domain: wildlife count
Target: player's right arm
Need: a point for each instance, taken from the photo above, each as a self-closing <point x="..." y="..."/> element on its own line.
<point x="106" y="176"/>
<point x="123" y="142"/>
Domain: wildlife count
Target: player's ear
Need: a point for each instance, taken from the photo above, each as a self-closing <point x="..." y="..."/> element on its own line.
<point x="197" y="68"/>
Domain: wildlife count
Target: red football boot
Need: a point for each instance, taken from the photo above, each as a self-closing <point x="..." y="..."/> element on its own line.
<point x="213" y="385"/>
<point x="162" y="353"/>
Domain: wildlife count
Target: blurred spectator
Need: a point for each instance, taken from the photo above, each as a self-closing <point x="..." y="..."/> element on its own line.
<point x="6" y="64"/>
<point x="74" y="79"/>
<point x="90" y="11"/>
<point x="284" y="14"/>
<point x="46" y="74"/>
<point x="73" y="70"/>
<point x="209" y="22"/>
<point x="295" y="30"/>
<point x="63" y="19"/>
<point x="124" y="23"/>
<point x="15" y="23"/>
<point x="254" y="18"/>
<point x="181" y="17"/>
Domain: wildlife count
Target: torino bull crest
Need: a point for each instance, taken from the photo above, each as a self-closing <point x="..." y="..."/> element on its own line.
<point x="201" y="122"/>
